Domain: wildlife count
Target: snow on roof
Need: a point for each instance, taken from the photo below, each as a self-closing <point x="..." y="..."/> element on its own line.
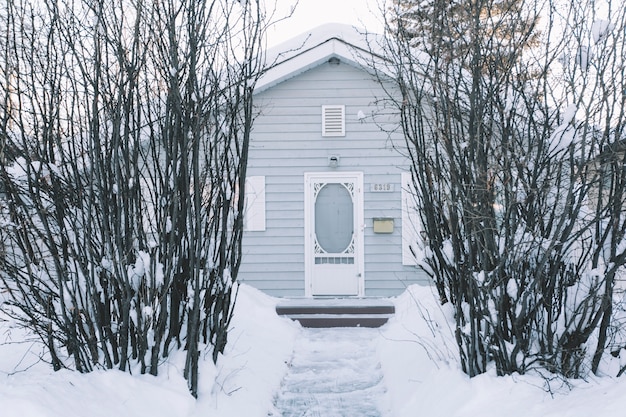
<point x="311" y="48"/>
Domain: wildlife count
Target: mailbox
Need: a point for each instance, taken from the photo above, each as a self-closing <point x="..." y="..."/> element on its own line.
<point x="383" y="225"/>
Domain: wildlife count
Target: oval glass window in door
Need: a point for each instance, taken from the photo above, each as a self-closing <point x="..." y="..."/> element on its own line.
<point x="334" y="218"/>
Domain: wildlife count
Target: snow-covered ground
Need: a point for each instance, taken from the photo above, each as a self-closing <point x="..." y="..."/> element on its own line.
<point x="419" y="373"/>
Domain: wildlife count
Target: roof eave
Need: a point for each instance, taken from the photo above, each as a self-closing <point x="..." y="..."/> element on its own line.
<point x="314" y="56"/>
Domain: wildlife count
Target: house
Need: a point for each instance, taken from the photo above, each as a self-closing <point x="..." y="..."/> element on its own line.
<point x="327" y="180"/>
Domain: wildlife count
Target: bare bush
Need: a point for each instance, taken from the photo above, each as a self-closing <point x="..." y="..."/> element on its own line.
<point x="128" y="126"/>
<point x="513" y="114"/>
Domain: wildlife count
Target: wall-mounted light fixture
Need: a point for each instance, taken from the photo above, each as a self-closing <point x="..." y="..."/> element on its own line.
<point x="333" y="161"/>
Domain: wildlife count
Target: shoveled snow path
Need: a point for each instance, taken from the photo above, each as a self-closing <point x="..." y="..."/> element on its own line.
<point x="333" y="373"/>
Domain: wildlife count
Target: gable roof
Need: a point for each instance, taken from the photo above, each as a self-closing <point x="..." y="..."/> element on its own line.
<point x="314" y="47"/>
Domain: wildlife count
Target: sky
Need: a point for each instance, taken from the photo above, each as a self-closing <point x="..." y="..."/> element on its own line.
<point x="311" y="13"/>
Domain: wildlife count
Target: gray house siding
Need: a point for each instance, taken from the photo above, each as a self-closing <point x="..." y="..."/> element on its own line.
<point x="287" y="142"/>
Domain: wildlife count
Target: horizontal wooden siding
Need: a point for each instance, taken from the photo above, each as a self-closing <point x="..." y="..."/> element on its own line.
<point x="287" y="142"/>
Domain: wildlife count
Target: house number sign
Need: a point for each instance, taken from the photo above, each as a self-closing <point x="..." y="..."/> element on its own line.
<point x="381" y="187"/>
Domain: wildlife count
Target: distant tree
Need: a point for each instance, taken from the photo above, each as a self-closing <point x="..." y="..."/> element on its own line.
<point x="509" y="112"/>
<point x="446" y="29"/>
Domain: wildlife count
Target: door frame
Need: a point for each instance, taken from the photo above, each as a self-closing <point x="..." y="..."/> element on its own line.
<point x="309" y="216"/>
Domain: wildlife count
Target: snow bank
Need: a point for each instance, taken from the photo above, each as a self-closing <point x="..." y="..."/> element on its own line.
<point x="260" y="344"/>
<point x="29" y="387"/>
<point x="423" y="376"/>
<point x="242" y="383"/>
<point x="416" y="350"/>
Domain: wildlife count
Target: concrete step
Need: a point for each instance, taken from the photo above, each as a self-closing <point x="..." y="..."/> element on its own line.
<point x="348" y="312"/>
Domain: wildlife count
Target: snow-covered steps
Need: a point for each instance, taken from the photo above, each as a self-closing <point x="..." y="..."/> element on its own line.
<point x="337" y="312"/>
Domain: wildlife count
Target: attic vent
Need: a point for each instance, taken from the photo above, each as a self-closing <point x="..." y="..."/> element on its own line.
<point x="333" y="120"/>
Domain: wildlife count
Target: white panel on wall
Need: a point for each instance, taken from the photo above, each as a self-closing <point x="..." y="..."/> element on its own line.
<point x="254" y="218"/>
<point x="410" y="221"/>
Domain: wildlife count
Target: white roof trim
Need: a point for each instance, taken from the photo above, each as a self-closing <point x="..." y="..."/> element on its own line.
<point x="315" y="47"/>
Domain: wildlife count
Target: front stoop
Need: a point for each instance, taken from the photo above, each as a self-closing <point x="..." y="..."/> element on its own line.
<point x="337" y="312"/>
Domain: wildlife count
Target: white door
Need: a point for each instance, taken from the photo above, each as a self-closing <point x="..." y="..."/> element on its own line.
<point x="334" y="234"/>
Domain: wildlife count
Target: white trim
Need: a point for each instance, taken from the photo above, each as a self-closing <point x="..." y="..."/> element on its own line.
<point x="410" y="221"/>
<point x="254" y="215"/>
<point x="357" y="178"/>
